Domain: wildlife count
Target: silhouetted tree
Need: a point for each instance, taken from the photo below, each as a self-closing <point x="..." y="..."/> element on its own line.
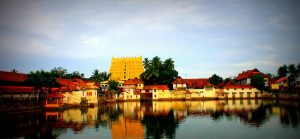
<point x="215" y="79"/>
<point x="258" y="81"/>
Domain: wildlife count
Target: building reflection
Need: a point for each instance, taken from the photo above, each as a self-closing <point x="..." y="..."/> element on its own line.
<point x="158" y="119"/>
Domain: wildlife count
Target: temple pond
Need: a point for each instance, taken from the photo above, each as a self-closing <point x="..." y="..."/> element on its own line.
<point x="163" y="119"/>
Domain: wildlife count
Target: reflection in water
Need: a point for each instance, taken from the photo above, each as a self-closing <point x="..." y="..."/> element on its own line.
<point x="163" y="119"/>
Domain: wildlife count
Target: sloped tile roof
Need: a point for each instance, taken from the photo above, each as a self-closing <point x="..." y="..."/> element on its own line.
<point x="282" y="79"/>
<point x="156" y="87"/>
<point x="248" y="74"/>
<point x="55" y="95"/>
<point x="197" y="83"/>
<point x="12" y="77"/>
<point x="179" y="80"/>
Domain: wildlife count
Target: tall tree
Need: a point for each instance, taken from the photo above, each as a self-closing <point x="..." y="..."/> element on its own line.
<point x="292" y="69"/>
<point x="158" y="72"/>
<point x="282" y="71"/>
<point x="113" y="88"/>
<point x="96" y="76"/>
<point x="292" y="77"/>
<point x="258" y="81"/>
<point x="156" y="63"/>
<point x="146" y="63"/>
<point x="215" y="79"/>
<point x="298" y="69"/>
<point x="58" y="72"/>
<point x="105" y="75"/>
<point x="41" y="79"/>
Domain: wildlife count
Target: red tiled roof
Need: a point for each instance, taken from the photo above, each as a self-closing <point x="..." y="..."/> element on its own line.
<point x="197" y="83"/>
<point x="178" y="80"/>
<point x="228" y="86"/>
<point x="157" y="87"/>
<point x="64" y="89"/>
<point x="63" y="81"/>
<point x="73" y="84"/>
<point x="282" y="79"/>
<point x="55" y="95"/>
<point x="16" y="89"/>
<point x="248" y="74"/>
<point x="54" y="89"/>
<point x="12" y="77"/>
<point x="133" y="82"/>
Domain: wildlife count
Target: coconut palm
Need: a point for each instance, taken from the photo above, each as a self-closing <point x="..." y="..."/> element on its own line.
<point x="156" y="63"/>
<point x="146" y="63"/>
<point x="96" y="76"/>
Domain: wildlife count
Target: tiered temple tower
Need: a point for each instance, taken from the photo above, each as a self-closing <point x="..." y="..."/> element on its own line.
<point x="126" y="68"/>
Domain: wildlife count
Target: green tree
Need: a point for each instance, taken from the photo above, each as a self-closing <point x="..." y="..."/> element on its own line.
<point x="215" y="79"/>
<point x="292" y="77"/>
<point x="41" y="78"/>
<point x="156" y="63"/>
<point x="105" y="75"/>
<point x="258" y="81"/>
<point x="112" y="88"/>
<point x="99" y="76"/>
<point x="292" y="69"/>
<point x="282" y="71"/>
<point x="158" y="72"/>
<point x="298" y="69"/>
<point x="75" y="74"/>
<point x="96" y="77"/>
<point x="146" y="63"/>
<point x="58" y="72"/>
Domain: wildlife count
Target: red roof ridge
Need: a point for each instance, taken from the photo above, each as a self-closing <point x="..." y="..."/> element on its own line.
<point x="13" y="77"/>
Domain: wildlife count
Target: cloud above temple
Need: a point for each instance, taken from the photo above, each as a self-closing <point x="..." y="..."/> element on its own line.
<point x="203" y="37"/>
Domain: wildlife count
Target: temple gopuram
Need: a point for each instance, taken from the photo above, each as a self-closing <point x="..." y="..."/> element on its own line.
<point x="126" y="68"/>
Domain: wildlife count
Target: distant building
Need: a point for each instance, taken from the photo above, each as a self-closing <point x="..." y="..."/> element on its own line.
<point x="13" y="86"/>
<point x="280" y="84"/>
<point x="244" y="78"/>
<point x="126" y="68"/>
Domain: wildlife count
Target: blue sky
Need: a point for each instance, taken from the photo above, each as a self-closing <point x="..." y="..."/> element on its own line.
<point x="203" y="36"/>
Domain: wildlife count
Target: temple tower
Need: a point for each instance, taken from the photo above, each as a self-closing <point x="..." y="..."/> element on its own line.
<point x="126" y="68"/>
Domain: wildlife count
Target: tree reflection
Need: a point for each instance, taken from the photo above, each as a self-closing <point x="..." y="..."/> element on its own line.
<point x="289" y="115"/>
<point x="159" y="126"/>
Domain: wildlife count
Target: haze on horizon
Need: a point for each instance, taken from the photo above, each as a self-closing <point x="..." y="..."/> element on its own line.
<point x="202" y="37"/>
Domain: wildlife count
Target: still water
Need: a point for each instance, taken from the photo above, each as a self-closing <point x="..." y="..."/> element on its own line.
<point x="165" y="119"/>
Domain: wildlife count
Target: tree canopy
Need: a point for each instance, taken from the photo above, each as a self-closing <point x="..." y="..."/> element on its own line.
<point x="158" y="72"/>
<point x="113" y="86"/>
<point x="98" y="76"/>
<point x="258" y="81"/>
<point x="282" y="71"/>
<point x="215" y="79"/>
<point x="42" y="78"/>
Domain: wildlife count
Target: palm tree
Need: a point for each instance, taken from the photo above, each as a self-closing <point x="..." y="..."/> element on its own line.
<point x="150" y="75"/>
<point x="282" y="71"/>
<point x="146" y="63"/>
<point x="168" y="64"/>
<point x="105" y="76"/>
<point x="96" y="77"/>
<point x="156" y="63"/>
